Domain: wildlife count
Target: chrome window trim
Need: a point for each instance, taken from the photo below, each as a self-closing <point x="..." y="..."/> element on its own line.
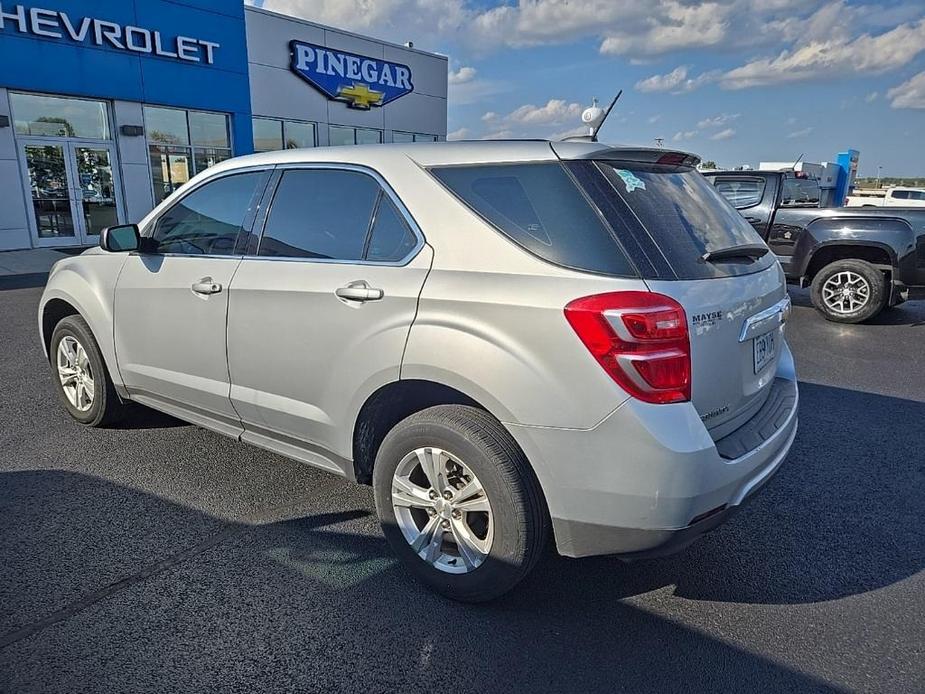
<point x="383" y="185"/>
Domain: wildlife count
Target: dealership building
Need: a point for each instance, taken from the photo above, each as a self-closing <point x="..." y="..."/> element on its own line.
<point x="108" y="107"/>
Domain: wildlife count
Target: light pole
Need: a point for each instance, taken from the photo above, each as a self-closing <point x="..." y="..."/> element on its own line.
<point x="879" y="169"/>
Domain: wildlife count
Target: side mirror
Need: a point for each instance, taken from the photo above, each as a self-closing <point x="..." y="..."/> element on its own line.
<point x="118" y="239"/>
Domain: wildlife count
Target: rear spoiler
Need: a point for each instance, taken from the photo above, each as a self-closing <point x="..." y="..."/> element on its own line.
<point x="643" y="155"/>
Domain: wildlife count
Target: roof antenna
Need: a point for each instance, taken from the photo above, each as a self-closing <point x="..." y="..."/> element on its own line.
<point x="799" y="158"/>
<point x="595" y="116"/>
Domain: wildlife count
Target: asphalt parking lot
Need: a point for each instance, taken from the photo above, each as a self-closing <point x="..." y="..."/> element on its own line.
<point x="162" y="557"/>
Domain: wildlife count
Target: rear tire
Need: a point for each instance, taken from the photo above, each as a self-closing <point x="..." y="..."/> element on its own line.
<point x="474" y="555"/>
<point x="849" y="291"/>
<point x="81" y="377"/>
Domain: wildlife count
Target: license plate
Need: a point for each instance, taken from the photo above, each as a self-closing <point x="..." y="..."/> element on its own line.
<point x="763" y="348"/>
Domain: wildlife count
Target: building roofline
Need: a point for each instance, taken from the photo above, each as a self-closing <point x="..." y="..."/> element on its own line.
<point x="327" y="27"/>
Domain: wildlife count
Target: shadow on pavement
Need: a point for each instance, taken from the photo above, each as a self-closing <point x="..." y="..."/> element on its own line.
<point x="23" y="281"/>
<point x="308" y="603"/>
<point x="103" y="587"/>
<point x="140" y="417"/>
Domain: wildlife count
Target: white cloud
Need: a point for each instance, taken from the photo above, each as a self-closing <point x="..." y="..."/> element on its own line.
<point x="656" y="118"/>
<point x="530" y="120"/>
<point x="723" y="134"/>
<point x="676" y="81"/>
<point x="555" y="112"/>
<point x="460" y="134"/>
<point x="663" y="83"/>
<point x="461" y="76"/>
<point x="421" y="21"/>
<point x="684" y="135"/>
<point x="717" y="121"/>
<point x="571" y="132"/>
<point x="909" y="94"/>
<point x="870" y="98"/>
<point x="825" y="58"/>
<point x="619" y="27"/>
<point x="465" y="87"/>
<point x="672" y="26"/>
<point x="473" y="91"/>
<point x="804" y="132"/>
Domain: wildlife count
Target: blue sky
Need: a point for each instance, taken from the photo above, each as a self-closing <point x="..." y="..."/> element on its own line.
<point x="736" y="81"/>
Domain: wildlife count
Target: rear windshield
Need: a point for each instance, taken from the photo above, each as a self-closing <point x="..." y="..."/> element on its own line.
<point x="540" y="208"/>
<point x="682" y="215"/>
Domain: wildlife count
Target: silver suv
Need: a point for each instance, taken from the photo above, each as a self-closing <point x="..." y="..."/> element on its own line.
<point x="503" y="338"/>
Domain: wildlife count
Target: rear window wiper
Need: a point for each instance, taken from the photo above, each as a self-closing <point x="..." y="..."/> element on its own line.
<point x="745" y="251"/>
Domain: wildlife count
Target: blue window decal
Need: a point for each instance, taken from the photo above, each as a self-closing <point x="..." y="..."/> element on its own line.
<point x="630" y="180"/>
<point x="360" y="81"/>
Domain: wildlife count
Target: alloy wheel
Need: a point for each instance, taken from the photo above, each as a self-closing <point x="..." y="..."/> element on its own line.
<point x="442" y="510"/>
<point x="75" y="373"/>
<point x="845" y="292"/>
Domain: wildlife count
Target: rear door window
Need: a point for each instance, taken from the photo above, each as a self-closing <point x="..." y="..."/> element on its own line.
<point x="675" y="212"/>
<point x="740" y="192"/>
<point x="390" y="239"/>
<point x="800" y="192"/>
<point x="541" y="209"/>
<point x="320" y="213"/>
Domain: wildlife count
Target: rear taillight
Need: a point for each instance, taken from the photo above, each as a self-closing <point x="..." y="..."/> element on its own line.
<point x="640" y="339"/>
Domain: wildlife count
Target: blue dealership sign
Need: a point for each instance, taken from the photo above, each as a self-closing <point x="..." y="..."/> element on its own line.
<point x="359" y="80"/>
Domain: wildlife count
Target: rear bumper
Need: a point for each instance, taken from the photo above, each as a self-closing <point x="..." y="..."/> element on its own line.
<point x="583" y="539"/>
<point x="649" y="479"/>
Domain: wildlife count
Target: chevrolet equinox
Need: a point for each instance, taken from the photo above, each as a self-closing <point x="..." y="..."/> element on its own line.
<point x="506" y="339"/>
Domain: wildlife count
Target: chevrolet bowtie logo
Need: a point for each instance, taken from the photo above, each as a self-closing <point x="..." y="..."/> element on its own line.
<point x="360" y="96"/>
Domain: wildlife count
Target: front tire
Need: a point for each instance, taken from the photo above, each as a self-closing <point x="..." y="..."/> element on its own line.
<point x="81" y="377"/>
<point x="849" y="291"/>
<point x="459" y="503"/>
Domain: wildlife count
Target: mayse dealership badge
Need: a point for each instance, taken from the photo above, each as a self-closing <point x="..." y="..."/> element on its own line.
<point x="361" y="81"/>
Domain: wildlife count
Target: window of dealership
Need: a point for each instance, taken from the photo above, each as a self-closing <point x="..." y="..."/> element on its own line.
<point x="68" y="164"/>
<point x="132" y="119"/>
<point x="182" y="143"/>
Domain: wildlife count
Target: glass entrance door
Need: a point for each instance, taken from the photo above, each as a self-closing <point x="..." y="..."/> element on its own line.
<point x="53" y="214"/>
<point x="73" y="189"/>
<point x="96" y="194"/>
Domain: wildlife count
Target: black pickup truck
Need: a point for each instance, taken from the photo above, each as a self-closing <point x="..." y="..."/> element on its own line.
<point x="857" y="260"/>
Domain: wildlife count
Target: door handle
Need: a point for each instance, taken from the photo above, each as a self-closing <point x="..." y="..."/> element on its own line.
<point x="206" y="286"/>
<point x="359" y="291"/>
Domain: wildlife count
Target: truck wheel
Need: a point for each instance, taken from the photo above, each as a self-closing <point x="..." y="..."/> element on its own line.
<point x="459" y="503"/>
<point x="82" y="380"/>
<point x="849" y="291"/>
